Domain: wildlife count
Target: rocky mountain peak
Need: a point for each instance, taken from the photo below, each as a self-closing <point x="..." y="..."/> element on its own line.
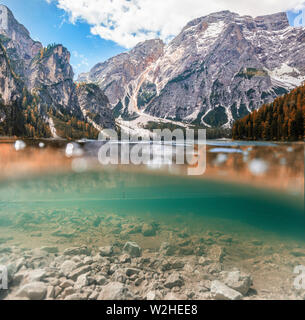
<point x="10" y="26"/>
<point x="16" y="39"/>
<point x="117" y="75"/>
<point x="149" y="46"/>
<point x="218" y="69"/>
<point x="273" y="22"/>
<point x="51" y="65"/>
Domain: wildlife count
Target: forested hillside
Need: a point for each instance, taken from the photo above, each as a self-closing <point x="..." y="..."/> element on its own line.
<point x="284" y="119"/>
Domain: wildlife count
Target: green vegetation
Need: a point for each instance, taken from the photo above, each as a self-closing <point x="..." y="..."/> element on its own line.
<point x="284" y="119"/>
<point x="71" y="127"/>
<point x="162" y="126"/>
<point x="216" y="117"/>
<point x="239" y="113"/>
<point x="5" y="56"/>
<point x="146" y="94"/>
<point x="24" y="119"/>
<point x="45" y="52"/>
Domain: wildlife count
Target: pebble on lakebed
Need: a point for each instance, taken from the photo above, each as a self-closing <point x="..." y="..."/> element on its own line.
<point x="83" y="273"/>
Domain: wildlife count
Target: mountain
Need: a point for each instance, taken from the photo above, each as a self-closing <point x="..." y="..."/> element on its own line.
<point x="284" y="119"/>
<point x="16" y="38"/>
<point x="119" y="76"/>
<point x="39" y="80"/>
<point x="218" y="69"/>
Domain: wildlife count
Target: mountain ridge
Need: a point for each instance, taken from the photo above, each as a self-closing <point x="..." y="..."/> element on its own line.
<point x="218" y="69"/>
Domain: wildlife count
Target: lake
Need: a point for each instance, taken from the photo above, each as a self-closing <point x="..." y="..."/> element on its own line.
<point x="246" y="212"/>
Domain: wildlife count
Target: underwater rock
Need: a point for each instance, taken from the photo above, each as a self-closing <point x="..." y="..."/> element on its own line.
<point x="93" y="295"/>
<point x="34" y="291"/>
<point x="131" y="229"/>
<point x="124" y="258"/>
<point x="88" y="260"/>
<point x="100" y="280"/>
<point x="119" y="276"/>
<point x="113" y="291"/>
<point x="138" y="282"/>
<point x="106" y="251"/>
<point x="203" y="261"/>
<point x="213" y="268"/>
<point x="131" y="271"/>
<point x="133" y="249"/>
<point x="149" y="230"/>
<point x="77" y="272"/>
<point x="67" y="267"/>
<point x="217" y="253"/>
<point x="220" y="291"/>
<point x="50" y="249"/>
<point x="153" y="295"/>
<point x="174" y="296"/>
<point x="35" y="275"/>
<point x="82" y="281"/>
<point x="239" y="282"/>
<point x="67" y="284"/>
<point x="174" y="280"/>
<point x="67" y="292"/>
<point x="167" y="250"/>
<point x="172" y="265"/>
<point x="50" y="293"/>
<point x="77" y="251"/>
<point x="75" y="296"/>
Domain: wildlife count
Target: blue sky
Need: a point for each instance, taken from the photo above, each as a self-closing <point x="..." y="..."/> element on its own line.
<point x="49" y="24"/>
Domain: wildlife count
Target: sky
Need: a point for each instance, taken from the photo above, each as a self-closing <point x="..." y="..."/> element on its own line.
<point x="95" y="30"/>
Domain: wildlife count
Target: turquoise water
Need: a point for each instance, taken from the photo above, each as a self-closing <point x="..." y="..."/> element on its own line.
<point x="190" y="203"/>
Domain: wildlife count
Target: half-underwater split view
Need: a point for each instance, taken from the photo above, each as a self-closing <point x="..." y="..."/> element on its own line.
<point x="152" y="150"/>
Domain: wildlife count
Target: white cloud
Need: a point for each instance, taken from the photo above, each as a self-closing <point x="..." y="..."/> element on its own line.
<point x="128" y="22"/>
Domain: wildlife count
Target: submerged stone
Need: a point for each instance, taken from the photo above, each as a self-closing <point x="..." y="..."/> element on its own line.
<point x="133" y="249"/>
<point x="219" y="291"/>
<point x="113" y="291"/>
<point x="239" y="282"/>
<point x="34" y="291"/>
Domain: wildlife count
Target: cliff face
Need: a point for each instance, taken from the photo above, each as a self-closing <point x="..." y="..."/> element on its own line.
<point x="10" y="87"/>
<point x="45" y="73"/>
<point x="51" y="75"/>
<point x="118" y="77"/>
<point x="16" y="39"/>
<point x="94" y="104"/>
<point x="218" y="69"/>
